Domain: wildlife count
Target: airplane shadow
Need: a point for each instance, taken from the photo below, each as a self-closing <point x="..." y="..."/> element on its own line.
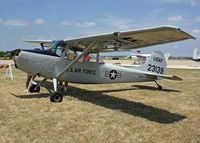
<point x="130" y="107"/>
<point x="100" y="98"/>
<point x="141" y="87"/>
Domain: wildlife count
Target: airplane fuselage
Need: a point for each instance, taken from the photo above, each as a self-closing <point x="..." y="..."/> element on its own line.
<point x="81" y="72"/>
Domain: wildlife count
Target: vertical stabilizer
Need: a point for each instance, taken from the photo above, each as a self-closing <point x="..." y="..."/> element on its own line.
<point x="195" y="54"/>
<point x="156" y="64"/>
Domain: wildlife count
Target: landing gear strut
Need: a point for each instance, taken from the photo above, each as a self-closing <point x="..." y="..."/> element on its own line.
<point x="35" y="87"/>
<point x="159" y="86"/>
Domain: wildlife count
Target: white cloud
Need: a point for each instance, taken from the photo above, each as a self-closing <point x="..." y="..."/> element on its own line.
<point x="39" y="21"/>
<point x="175" y="18"/>
<point x="18" y="0"/>
<point x="15" y="22"/>
<point x="84" y="24"/>
<point x="196" y="32"/>
<point x="173" y="1"/>
<point x="66" y="23"/>
<point x="195" y="2"/>
<point x="118" y="23"/>
<point x="197" y="19"/>
<point x="1" y="21"/>
<point x="188" y="2"/>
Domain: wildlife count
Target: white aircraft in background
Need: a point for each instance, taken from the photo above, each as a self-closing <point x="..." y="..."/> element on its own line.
<point x="196" y="55"/>
<point x="142" y="58"/>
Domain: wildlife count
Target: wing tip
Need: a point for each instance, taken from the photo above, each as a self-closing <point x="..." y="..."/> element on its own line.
<point x="189" y="36"/>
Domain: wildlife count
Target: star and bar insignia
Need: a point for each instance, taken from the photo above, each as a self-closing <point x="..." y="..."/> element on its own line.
<point x="112" y="74"/>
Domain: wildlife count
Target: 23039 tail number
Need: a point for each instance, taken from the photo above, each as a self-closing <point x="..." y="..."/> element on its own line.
<point x="155" y="69"/>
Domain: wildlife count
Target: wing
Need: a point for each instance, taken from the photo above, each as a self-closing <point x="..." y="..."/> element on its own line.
<point x="45" y="43"/>
<point x="130" y="39"/>
<point x="124" y="41"/>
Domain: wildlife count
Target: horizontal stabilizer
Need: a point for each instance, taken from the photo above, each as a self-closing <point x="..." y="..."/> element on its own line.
<point x="171" y="77"/>
<point x="157" y="76"/>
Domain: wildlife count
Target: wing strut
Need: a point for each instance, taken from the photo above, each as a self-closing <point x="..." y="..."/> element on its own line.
<point x="76" y="59"/>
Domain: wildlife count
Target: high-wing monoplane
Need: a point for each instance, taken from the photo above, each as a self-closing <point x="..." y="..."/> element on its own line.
<point x="65" y="60"/>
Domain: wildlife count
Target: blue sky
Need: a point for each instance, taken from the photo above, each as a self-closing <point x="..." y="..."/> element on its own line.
<point x="62" y="19"/>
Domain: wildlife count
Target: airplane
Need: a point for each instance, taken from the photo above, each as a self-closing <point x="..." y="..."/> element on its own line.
<point x="65" y="60"/>
<point x="196" y="55"/>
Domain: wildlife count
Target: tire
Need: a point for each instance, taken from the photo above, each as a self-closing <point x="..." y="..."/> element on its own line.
<point x="33" y="88"/>
<point x="56" y="97"/>
<point x="159" y="87"/>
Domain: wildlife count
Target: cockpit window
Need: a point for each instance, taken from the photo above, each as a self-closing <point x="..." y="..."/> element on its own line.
<point x="57" y="47"/>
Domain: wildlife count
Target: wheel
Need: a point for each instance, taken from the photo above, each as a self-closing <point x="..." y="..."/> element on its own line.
<point x="159" y="87"/>
<point x="56" y="97"/>
<point x="33" y="88"/>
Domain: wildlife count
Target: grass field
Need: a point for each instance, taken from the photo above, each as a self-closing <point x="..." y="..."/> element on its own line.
<point x="135" y="112"/>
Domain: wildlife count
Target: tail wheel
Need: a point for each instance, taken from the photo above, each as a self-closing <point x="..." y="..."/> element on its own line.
<point x="159" y="87"/>
<point x="56" y="97"/>
<point x="34" y="88"/>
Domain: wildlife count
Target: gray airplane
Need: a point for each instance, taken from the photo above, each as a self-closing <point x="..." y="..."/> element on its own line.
<point x="67" y="60"/>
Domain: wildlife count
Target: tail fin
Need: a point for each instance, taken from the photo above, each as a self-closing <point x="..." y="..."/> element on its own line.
<point x="195" y="54"/>
<point x="155" y="65"/>
<point x="167" y="55"/>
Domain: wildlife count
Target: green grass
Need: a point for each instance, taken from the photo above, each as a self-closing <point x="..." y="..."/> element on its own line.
<point x="135" y="112"/>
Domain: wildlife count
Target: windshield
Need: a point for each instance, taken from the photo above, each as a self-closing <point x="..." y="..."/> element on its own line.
<point x="57" y="47"/>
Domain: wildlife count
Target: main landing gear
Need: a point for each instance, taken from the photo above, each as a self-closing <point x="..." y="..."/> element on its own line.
<point x="56" y="96"/>
<point x="35" y="87"/>
<point x="159" y="86"/>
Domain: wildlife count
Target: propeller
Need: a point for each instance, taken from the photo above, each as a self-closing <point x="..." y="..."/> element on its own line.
<point x="12" y="53"/>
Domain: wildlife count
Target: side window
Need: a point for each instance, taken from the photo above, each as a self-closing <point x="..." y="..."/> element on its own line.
<point x="91" y="58"/>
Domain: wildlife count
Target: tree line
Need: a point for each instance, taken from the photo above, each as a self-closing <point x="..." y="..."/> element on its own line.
<point x="2" y="53"/>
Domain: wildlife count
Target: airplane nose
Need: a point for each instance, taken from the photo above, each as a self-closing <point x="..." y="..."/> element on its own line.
<point x="15" y="54"/>
<point x="15" y="62"/>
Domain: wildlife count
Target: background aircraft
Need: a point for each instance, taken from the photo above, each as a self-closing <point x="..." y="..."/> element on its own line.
<point x="140" y="58"/>
<point x="196" y="55"/>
